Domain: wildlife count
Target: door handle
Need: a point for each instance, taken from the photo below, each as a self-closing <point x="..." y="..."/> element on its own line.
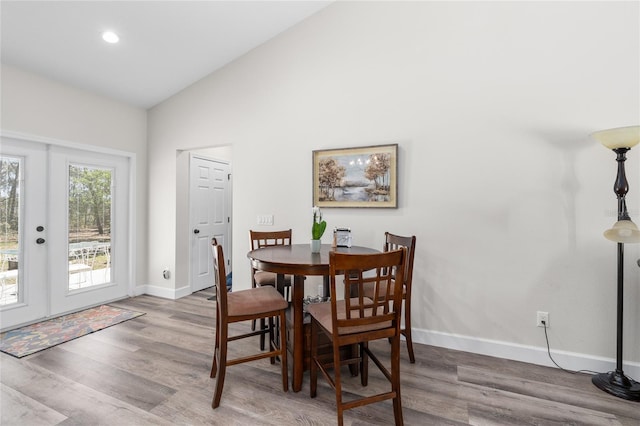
<point x="40" y="241"/>
<point x="196" y="231"/>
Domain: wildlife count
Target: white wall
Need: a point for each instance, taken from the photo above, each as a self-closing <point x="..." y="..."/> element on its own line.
<point x="491" y="105"/>
<point x="37" y="107"/>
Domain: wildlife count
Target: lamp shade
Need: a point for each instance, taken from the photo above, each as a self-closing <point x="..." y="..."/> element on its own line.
<point x="620" y="137"/>
<point x="623" y="231"/>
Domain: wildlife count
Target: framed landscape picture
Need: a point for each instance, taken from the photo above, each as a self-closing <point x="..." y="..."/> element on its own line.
<point x="356" y="177"/>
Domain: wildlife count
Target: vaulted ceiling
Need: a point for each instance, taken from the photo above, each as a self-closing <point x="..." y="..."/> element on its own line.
<point x="164" y="46"/>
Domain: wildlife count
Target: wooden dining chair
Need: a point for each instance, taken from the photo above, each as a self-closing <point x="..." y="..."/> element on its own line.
<point x="359" y="320"/>
<point x="244" y="305"/>
<point x="260" y="239"/>
<point x="394" y="242"/>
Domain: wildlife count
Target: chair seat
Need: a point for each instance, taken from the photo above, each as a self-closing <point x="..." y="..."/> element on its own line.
<point x="255" y="301"/>
<point x="269" y="278"/>
<point x="322" y="313"/>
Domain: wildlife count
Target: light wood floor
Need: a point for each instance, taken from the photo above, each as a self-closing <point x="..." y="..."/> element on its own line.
<point x="155" y="370"/>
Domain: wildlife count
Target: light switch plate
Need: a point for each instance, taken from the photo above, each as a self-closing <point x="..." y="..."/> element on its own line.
<point x="265" y="219"/>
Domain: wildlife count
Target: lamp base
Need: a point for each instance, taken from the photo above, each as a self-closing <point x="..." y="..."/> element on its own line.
<point x="617" y="384"/>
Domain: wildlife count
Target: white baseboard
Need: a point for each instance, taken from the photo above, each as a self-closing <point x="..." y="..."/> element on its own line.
<point x="530" y="354"/>
<point x="164" y="292"/>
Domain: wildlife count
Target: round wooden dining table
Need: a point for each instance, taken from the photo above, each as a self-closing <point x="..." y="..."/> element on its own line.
<point x="297" y="260"/>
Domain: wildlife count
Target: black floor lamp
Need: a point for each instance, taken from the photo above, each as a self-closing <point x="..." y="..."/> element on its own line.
<point x="620" y="140"/>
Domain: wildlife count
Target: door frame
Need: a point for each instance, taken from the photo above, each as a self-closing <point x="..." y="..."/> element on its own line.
<point x="132" y="213"/>
<point x="182" y="254"/>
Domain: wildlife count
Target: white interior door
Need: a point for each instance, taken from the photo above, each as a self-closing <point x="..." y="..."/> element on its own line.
<point x="210" y="216"/>
<point x="68" y="245"/>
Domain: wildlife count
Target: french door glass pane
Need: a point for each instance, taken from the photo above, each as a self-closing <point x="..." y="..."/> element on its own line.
<point x="90" y="195"/>
<point x="10" y="169"/>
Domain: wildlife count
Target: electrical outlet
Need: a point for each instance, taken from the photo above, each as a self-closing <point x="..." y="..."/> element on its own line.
<point x="542" y="319"/>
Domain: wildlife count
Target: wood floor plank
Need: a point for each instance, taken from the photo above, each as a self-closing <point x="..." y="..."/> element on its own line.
<point x="116" y="338"/>
<point x="515" y="409"/>
<point x="130" y="388"/>
<point x="17" y="408"/>
<point x="164" y="364"/>
<point x="193" y="407"/>
<point x="176" y="333"/>
<point x="191" y="318"/>
<point x="81" y="404"/>
<point x="584" y="395"/>
<point x="154" y="370"/>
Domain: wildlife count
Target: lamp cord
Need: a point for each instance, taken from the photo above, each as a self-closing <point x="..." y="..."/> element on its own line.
<point x="546" y="336"/>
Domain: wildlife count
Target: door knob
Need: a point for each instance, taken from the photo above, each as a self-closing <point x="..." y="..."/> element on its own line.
<point x="196" y="231"/>
<point x="40" y="241"/>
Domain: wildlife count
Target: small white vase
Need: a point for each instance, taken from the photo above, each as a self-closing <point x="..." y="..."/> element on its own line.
<point x="315" y="246"/>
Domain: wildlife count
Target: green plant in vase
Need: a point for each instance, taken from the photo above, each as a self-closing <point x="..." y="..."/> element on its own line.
<point x="317" y="229"/>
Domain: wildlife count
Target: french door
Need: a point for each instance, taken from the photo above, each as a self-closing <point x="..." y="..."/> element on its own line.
<point x="64" y="230"/>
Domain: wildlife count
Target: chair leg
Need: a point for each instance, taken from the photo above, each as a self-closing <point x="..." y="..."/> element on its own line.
<point x="338" y="384"/>
<point x="355" y="367"/>
<point x="395" y="380"/>
<point x="364" y="364"/>
<point x="263" y="326"/>
<point x="271" y="338"/>
<point x="253" y="285"/>
<point x="407" y="330"/>
<point x="407" y="335"/>
<point x="216" y="347"/>
<point x="214" y="364"/>
<point x="313" y="367"/>
<point x="222" y="367"/>
<point x="283" y="353"/>
<point x="279" y="326"/>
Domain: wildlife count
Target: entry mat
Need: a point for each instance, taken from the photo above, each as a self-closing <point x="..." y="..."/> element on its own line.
<point x="46" y="334"/>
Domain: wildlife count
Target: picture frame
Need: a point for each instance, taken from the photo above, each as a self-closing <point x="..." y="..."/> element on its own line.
<point x="356" y="177"/>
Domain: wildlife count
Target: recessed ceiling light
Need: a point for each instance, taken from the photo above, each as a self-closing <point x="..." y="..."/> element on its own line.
<point x="110" y="37"/>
